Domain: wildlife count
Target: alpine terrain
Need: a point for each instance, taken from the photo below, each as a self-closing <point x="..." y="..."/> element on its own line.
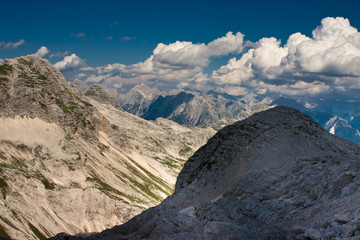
<point x="71" y="163"/>
<point x="187" y="107"/>
<point x="275" y="175"/>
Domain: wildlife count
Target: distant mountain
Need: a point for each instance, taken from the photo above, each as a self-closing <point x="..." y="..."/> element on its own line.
<point x="72" y="164"/>
<point x="102" y="95"/>
<point x="340" y="127"/>
<point x="328" y="119"/>
<point x="138" y="99"/>
<point x="219" y="109"/>
<point x="275" y="175"/>
<point x="185" y="107"/>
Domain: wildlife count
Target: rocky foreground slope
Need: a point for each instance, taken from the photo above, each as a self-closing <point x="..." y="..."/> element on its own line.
<point x="275" y="175"/>
<point x="71" y="164"/>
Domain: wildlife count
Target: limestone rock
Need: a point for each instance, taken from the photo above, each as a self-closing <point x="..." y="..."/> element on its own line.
<point x="72" y="164"/>
<point x="275" y="175"/>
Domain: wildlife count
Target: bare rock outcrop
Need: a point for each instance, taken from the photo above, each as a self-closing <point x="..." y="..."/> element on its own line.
<point x="275" y="175"/>
<point x="71" y="164"/>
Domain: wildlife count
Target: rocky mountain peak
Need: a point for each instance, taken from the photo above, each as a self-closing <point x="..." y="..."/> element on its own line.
<point x="32" y="87"/>
<point x="274" y="139"/>
<point x="72" y="164"/>
<point x="100" y="94"/>
<point x="275" y="175"/>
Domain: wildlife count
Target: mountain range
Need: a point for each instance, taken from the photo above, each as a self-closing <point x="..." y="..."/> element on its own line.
<point x="79" y="163"/>
<point x="189" y="107"/>
<point x="275" y="175"/>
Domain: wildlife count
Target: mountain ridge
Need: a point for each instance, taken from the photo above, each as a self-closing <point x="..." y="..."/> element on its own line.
<point x="275" y="175"/>
<point x="72" y="164"/>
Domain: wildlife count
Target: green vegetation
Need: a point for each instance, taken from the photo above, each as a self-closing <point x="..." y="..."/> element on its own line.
<point x="168" y="161"/>
<point x="107" y="189"/>
<point x="5" y="68"/>
<point x="34" y="73"/>
<point x="68" y="137"/>
<point x="184" y="151"/>
<point x="155" y="181"/>
<point x="61" y="104"/>
<point x="74" y="109"/>
<point x="3" y="79"/>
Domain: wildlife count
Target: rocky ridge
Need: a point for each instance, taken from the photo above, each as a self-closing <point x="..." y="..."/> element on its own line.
<point x="189" y="107"/>
<point x="275" y="175"/>
<point x="101" y="95"/>
<point x="186" y="107"/>
<point x="72" y="164"/>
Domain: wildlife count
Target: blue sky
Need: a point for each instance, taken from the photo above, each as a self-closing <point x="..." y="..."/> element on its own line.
<point x="136" y="27"/>
<point x="127" y="32"/>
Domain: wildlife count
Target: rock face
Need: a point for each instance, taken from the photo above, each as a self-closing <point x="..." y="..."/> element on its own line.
<point x="71" y="164"/>
<point x="275" y="175"/>
<point x="102" y="95"/>
<point x="185" y="107"/>
<point x="138" y="99"/>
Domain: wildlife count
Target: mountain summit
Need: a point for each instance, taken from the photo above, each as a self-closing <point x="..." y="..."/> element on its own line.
<point x="275" y="175"/>
<point x="72" y="164"/>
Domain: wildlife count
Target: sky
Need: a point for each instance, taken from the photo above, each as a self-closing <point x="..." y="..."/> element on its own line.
<point x="294" y="48"/>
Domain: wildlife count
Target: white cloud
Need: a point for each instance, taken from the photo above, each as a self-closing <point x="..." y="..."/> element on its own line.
<point x="189" y="55"/>
<point x="70" y="63"/>
<point x="59" y="54"/>
<point x="12" y="45"/>
<point x="42" y="51"/>
<point x="326" y="62"/>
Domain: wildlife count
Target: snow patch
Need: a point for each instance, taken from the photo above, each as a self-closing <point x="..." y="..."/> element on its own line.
<point x="332" y="130"/>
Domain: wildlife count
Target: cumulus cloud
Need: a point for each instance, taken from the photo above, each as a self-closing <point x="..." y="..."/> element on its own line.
<point x="328" y="61"/>
<point x="59" y="54"/>
<point x="70" y="63"/>
<point x="12" y="45"/>
<point x="171" y="65"/>
<point x="324" y="63"/>
<point x="189" y="55"/>
<point x="42" y="51"/>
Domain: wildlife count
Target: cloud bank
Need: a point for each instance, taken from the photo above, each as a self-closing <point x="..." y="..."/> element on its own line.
<point x="12" y="45"/>
<point x="70" y="63"/>
<point x="325" y="63"/>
